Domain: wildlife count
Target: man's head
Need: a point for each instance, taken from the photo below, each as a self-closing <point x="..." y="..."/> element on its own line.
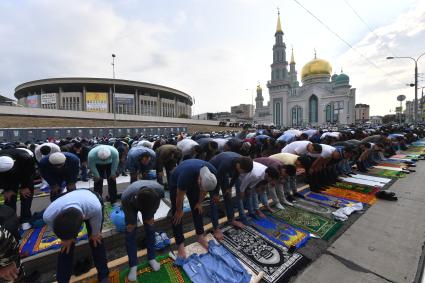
<point x="244" y="165"/>
<point x="67" y="223"/>
<point x="272" y="175"/>
<point x="103" y="153"/>
<point x="77" y="147"/>
<point x="57" y="159"/>
<point x="212" y="146"/>
<point x="145" y="158"/>
<point x="45" y="150"/>
<point x="147" y="201"/>
<point x="207" y="180"/>
<point x="303" y="137"/>
<point x="289" y="170"/>
<point x="6" y="163"/>
<point x="314" y="148"/>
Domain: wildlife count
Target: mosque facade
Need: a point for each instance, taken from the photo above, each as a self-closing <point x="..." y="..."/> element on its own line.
<point x="321" y="98"/>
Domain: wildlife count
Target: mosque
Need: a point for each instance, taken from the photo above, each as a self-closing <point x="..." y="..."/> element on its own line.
<point x="321" y="99"/>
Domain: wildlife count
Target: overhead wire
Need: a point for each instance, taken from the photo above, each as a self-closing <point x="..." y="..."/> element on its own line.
<point x="346" y="42"/>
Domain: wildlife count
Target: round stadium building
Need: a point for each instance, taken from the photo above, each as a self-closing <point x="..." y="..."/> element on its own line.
<point x="100" y="94"/>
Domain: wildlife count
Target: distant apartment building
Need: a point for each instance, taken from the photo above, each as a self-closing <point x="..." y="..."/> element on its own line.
<point x="361" y="113"/>
<point x="243" y="111"/>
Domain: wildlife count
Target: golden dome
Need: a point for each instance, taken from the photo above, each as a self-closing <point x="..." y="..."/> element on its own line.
<point x="316" y="67"/>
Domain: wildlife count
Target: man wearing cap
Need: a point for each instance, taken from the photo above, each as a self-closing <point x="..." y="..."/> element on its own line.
<point x="144" y="196"/>
<point x="103" y="163"/>
<point x="167" y="158"/>
<point x="17" y="174"/>
<point x="65" y="217"/>
<point x="140" y="159"/>
<point x="45" y="149"/>
<point x="59" y="168"/>
<point x="192" y="178"/>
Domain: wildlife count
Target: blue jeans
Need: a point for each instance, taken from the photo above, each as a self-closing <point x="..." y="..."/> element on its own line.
<point x="84" y="174"/>
<point x="65" y="261"/>
<point x="227" y="203"/>
<point x="131" y="244"/>
<point x="253" y="204"/>
<point x="240" y="202"/>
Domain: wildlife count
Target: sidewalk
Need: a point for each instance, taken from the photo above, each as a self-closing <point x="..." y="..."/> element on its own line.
<point x="383" y="245"/>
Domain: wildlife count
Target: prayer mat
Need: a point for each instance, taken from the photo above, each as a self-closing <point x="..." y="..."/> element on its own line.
<point x="371" y="178"/>
<point x="363" y="182"/>
<point x="320" y="226"/>
<point x="261" y="254"/>
<point x="314" y="207"/>
<point x="347" y="194"/>
<point x="387" y="173"/>
<point x="38" y="240"/>
<point x="328" y="200"/>
<point x="280" y="232"/>
<point x="107" y="223"/>
<point x="357" y="188"/>
<point x="167" y="274"/>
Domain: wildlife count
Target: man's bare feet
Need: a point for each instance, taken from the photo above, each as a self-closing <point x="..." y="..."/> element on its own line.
<point x="181" y="251"/>
<point x="218" y="235"/>
<point x="238" y="224"/>
<point x="201" y="240"/>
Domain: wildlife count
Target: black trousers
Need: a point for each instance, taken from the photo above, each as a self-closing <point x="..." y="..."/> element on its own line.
<point x="105" y="173"/>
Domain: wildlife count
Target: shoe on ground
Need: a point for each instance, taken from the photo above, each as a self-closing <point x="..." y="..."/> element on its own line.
<point x="159" y="243"/>
<point x="165" y="239"/>
<point x="26" y="226"/>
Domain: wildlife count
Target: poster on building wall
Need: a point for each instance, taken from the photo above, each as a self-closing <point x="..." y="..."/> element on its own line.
<point x="124" y="98"/>
<point x="97" y="102"/>
<point x="32" y="101"/>
<point x="48" y="98"/>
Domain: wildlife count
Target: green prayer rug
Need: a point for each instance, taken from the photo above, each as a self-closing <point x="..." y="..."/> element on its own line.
<point x="321" y="226"/>
<point x="387" y="173"/>
<point x="367" y="190"/>
<point x="167" y="274"/>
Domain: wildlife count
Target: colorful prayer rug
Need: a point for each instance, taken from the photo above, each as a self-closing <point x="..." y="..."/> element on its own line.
<point x="321" y="226"/>
<point x="326" y="199"/>
<point x="38" y="240"/>
<point x="314" y="207"/>
<point x="359" y="181"/>
<point x="347" y="194"/>
<point x="107" y="223"/>
<point x="280" y="232"/>
<point x="167" y="274"/>
<point x="357" y="188"/>
<point x="387" y="173"/>
<point x="261" y="254"/>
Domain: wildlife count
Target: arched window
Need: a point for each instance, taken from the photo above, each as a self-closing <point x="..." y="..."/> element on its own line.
<point x="329" y="113"/>
<point x="313" y="107"/>
<point x="297" y="116"/>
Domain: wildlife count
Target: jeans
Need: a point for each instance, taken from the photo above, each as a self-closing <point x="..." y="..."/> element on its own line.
<point x="65" y="260"/>
<point x="227" y="203"/>
<point x="131" y="244"/>
<point x="290" y="184"/>
<point x="240" y="202"/>
<point x="84" y="174"/>
<point x="105" y="172"/>
<point x="193" y="197"/>
<point x="25" y="205"/>
<point x="253" y="204"/>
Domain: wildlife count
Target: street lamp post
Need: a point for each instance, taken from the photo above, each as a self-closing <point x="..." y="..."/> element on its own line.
<point x="416" y="81"/>
<point x="113" y="90"/>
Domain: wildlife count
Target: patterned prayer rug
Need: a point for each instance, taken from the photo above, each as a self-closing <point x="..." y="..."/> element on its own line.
<point x="326" y="199"/>
<point x="314" y="207"/>
<point x="357" y="188"/>
<point x="38" y="240"/>
<point x="261" y="254"/>
<point x="280" y="232"/>
<point x="347" y="194"/>
<point x="107" y="223"/>
<point x="387" y="173"/>
<point x="167" y="274"/>
<point x="320" y="226"/>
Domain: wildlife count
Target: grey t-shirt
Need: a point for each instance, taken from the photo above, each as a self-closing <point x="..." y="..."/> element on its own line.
<point x="127" y="198"/>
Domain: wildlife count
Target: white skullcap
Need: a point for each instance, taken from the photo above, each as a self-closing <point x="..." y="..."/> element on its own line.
<point x="57" y="158"/>
<point x="104" y="153"/>
<point x="6" y="163"/>
<point x="208" y="179"/>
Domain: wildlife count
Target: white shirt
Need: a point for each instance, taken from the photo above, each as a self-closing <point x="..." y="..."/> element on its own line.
<point x="81" y="199"/>
<point x="186" y="146"/>
<point x="327" y="150"/>
<point x="251" y="179"/>
<point x="297" y="147"/>
<point x="53" y="148"/>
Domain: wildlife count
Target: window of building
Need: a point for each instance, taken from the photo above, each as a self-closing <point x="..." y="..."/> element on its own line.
<point x="277" y="114"/>
<point x="313" y="107"/>
<point x="296" y="114"/>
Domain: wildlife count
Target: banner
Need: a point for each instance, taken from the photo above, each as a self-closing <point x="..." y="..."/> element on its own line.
<point x="124" y="98"/>
<point x="32" y="101"/>
<point x="48" y="98"/>
<point x="97" y="102"/>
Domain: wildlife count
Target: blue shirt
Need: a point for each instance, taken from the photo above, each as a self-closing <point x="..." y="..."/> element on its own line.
<point x="55" y="175"/>
<point x="225" y="165"/>
<point x="185" y="176"/>
<point x="133" y="159"/>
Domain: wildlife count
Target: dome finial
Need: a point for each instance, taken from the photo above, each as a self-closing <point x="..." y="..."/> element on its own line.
<point x="342" y="70"/>
<point x="292" y="56"/>
<point x="315" y="53"/>
<point x="278" y="26"/>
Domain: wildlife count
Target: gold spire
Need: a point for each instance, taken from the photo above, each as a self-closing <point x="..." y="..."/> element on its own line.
<point x="292" y="57"/>
<point x="279" y="26"/>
